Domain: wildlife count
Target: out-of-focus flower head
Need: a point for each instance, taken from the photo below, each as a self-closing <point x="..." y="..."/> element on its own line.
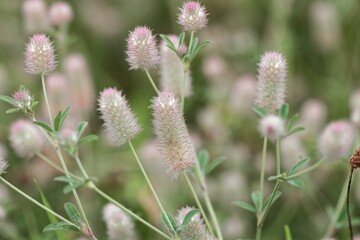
<point x="60" y="13"/>
<point x="35" y="16"/>
<point x="192" y="16"/>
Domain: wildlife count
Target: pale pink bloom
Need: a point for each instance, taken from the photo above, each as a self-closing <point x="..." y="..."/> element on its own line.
<point x="68" y="137"/>
<point x="60" y="13"/>
<point x="173" y="140"/>
<point x="336" y="140"/>
<point x="25" y="138"/>
<point x="39" y="55"/>
<point x="118" y="223"/>
<point x="271" y="86"/>
<point x="214" y="68"/>
<point x="272" y="127"/>
<point x="313" y="116"/>
<point x="119" y="121"/>
<point x="35" y="16"/>
<point x="142" y="49"/>
<point x="23" y="99"/>
<point x="192" y="16"/>
<point x="172" y="70"/>
<point x="242" y="94"/>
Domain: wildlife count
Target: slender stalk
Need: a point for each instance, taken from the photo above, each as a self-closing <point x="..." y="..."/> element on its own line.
<point x="152" y="82"/>
<point x="198" y="202"/>
<point x="78" y="162"/>
<point x="46" y="98"/>
<point x="262" y="177"/>
<point x="348" y="204"/>
<point x="107" y="197"/>
<point x="37" y="203"/>
<point x="191" y="39"/>
<point x="151" y="187"/>
<point x="307" y="169"/>
<point x="277" y="185"/>
<point x="339" y="207"/>
<point x="278" y="161"/>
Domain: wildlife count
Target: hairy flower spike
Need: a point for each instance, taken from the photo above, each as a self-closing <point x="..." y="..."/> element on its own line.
<point x="119" y="121"/>
<point x="25" y="138"/>
<point x="173" y="140"/>
<point x="172" y="70"/>
<point x="142" y="49"/>
<point x="272" y="127"/>
<point x="118" y="224"/>
<point x="336" y="140"/>
<point x="271" y="85"/>
<point x="192" y="16"/>
<point x="40" y="55"/>
<point x="3" y="166"/>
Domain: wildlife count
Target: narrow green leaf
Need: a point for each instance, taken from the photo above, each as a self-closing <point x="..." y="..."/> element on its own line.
<point x="245" y="206"/>
<point x="169" y="43"/>
<point x="60" y="226"/>
<point x="260" y="111"/>
<point x="7" y="99"/>
<point x="255" y="196"/>
<point x="12" y="110"/>
<point x="213" y="164"/>
<point x="295" y="130"/>
<point x="296" y="182"/>
<point x="203" y="158"/>
<point x="292" y="122"/>
<point x="73" y="213"/>
<point x="193" y="47"/>
<point x="88" y="138"/>
<point x="172" y="225"/>
<point x="81" y="127"/>
<point x="276" y="177"/>
<point x="298" y="165"/>
<point x="68" y="188"/>
<point x="63" y="117"/>
<point x="181" y="39"/>
<point x="188" y="217"/>
<point x="66" y="179"/>
<point x="57" y="121"/>
<point x="287" y="233"/>
<point x="284" y="111"/>
<point x="44" y="126"/>
<point x="267" y="200"/>
<point x="199" y="48"/>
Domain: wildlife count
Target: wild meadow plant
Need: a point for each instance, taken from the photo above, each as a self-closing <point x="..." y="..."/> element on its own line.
<point x="64" y="131"/>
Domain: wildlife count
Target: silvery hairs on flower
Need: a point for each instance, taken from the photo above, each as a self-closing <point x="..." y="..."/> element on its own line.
<point x="192" y="16"/>
<point x="142" y="50"/>
<point x="3" y="166"/>
<point x="119" y="121"/>
<point x="173" y="140"/>
<point x="271" y="85"/>
<point x="272" y="127"/>
<point x="40" y="55"/>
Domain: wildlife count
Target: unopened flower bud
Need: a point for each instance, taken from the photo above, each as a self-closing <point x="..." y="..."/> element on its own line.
<point x="142" y="49"/>
<point x="119" y="121"/>
<point x="271" y="87"/>
<point x="173" y="140"/>
<point x="35" y="16"/>
<point x="336" y="140"/>
<point x="355" y="159"/>
<point x="68" y="137"/>
<point x="192" y="16"/>
<point x="3" y="166"/>
<point x="40" y="55"/>
<point x="272" y="127"/>
<point x="23" y="99"/>
<point x="60" y="13"/>
<point x="118" y="224"/>
<point x="172" y="70"/>
<point x="25" y="138"/>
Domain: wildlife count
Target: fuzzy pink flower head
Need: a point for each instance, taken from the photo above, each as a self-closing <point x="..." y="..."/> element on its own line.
<point x="119" y="121"/>
<point x="23" y="99"/>
<point x="271" y="86"/>
<point x="35" y="16"/>
<point x="272" y="127"/>
<point x="60" y="13"/>
<point x="173" y="141"/>
<point x="68" y="137"/>
<point x="40" y="55"/>
<point x="142" y="49"/>
<point x="3" y="166"/>
<point x="118" y="223"/>
<point x="336" y="140"/>
<point x="25" y="138"/>
<point x="192" y="16"/>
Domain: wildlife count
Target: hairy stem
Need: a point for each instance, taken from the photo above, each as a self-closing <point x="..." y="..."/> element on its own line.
<point x="278" y="159"/>
<point x="152" y="82"/>
<point x="46" y="99"/>
<point x="277" y="185"/>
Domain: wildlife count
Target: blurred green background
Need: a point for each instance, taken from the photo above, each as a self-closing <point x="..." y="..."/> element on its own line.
<point x="321" y="42"/>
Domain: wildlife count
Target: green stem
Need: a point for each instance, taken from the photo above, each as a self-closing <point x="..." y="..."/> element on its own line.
<point x="46" y="98"/>
<point x="151" y="187"/>
<point x="37" y="203"/>
<point x="152" y="82"/>
<point x="278" y="160"/>
<point x="107" y="197"/>
<point x="191" y="39"/>
<point x="183" y="89"/>
<point x="78" y="162"/>
<point x="262" y="177"/>
<point x="198" y="203"/>
<point x="339" y="207"/>
<point x="307" y="169"/>
<point x="277" y="185"/>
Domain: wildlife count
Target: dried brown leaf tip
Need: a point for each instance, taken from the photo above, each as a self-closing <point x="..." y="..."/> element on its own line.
<point x="355" y="159"/>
